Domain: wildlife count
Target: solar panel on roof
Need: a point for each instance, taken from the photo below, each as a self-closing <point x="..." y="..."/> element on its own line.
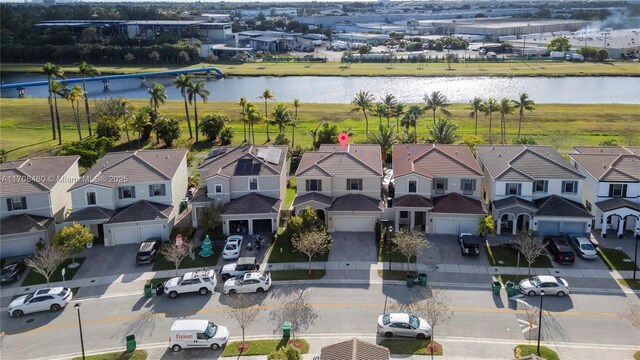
<point x="216" y="152"/>
<point x="262" y="152"/>
<point x="273" y="155"/>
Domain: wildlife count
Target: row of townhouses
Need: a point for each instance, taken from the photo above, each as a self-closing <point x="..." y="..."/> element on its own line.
<point x="439" y="189"/>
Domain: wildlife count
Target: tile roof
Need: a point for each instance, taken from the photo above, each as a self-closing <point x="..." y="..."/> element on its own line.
<point x="224" y="164"/>
<point x="332" y="161"/>
<point x="555" y="205"/>
<point x="138" y="166"/>
<point x="142" y="210"/>
<point x="23" y="223"/>
<point x="530" y="162"/>
<point x="610" y="167"/>
<point x="454" y="203"/>
<point x="312" y="196"/>
<point x="513" y="201"/>
<point x="354" y="350"/>
<point x="412" y="201"/>
<point x="610" y="150"/>
<point x="252" y="204"/>
<point x="617" y="203"/>
<point x="34" y="175"/>
<point x="356" y="202"/>
<point x="434" y="160"/>
<point x="89" y="214"/>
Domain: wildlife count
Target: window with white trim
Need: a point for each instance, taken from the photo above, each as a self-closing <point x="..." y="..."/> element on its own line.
<point x="617" y="190"/>
<point x="217" y="188"/>
<point x="313" y="185"/>
<point x="413" y="186"/>
<point x="540" y="186"/>
<point x="513" y="189"/>
<point x="157" y="190"/>
<point x="440" y="185"/>
<point x="91" y="198"/>
<point x="468" y="186"/>
<point x="126" y="192"/>
<point x="570" y="187"/>
<point x="354" y="184"/>
<point x="17" y="203"/>
<point x="253" y="183"/>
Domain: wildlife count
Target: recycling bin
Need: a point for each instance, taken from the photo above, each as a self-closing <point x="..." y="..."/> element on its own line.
<point x="423" y="279"/>
<point x="147" y="290"/>
<point x="495" y="287"/>
<point x="511" y="288"/>
<point x="131" y="343"/>
<point x="286" y="329"/>
<point x="410" y="280"/>
<point x="159" y="289"/>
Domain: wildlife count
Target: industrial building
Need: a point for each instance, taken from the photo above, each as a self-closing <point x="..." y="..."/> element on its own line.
<point x="493" y="29"/>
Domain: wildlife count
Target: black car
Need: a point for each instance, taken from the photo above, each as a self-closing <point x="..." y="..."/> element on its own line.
<point x="469" y="244"/>
<point x="560" y="249"/>
<point x="12" y="271"/>
<point x="148" y="251"/>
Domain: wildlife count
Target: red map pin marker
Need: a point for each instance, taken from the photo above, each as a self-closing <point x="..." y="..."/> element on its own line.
<point x="343" y="138"/>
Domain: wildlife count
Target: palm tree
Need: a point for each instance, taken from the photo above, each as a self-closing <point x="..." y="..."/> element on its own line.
<point x="182" y="83"/>
<point x="253" y="117"/>
<point x="195" y="90"/>
<point x="87" y="70"/>
<point x="243" y="105"/>
<point x="506" y="108"/>
<point x="411" y="118"/>
<point x="398" y="110"/>
<point x="281" y="117"/>
<point x="489" y="107"/>
<point x="138" y="122"/>
<point x="436" y="101"/>
<point x="362" y="102"/>
<point x="523" y="104"/>
<point x="52" y="71"/>
<point x="158" y="96"/>
<point x="475" y="106"/>
<point x="74" y="96"/>
<point x="385" y="137"/>
<point x="57" y="88"/>
<point x="314" y="133"/>
<point x="379" y="110"/>
<point x="266" y="95"/>
<point x="443" y="132"/>
<point x="294" y="123"/>
<point x="389" y="101"/>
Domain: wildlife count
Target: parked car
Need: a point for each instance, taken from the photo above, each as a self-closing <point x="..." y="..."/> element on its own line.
<point x="551" y="285"/>
<point x="202" y="281"/>
<point x="469" y="244"/>
<point x="52" y="299"/>
<point x="401" y="324"/>
<point x="12" y="271"/>
<point x="248" y="283"/>
<point x="239" y="268"/>
<point x="148" y="251"/>
<point x="584" y="248"/>
<point x="232" y="247"/>
<point x="560" y="249"/>
<point x="197" y="334"/>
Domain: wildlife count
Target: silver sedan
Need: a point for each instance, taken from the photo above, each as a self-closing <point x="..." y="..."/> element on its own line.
<point x="401" y="324"/>
<point x="551" y="285"/>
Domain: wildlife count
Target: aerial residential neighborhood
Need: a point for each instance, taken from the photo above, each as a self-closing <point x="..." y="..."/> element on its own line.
<point x="371" y="180"/>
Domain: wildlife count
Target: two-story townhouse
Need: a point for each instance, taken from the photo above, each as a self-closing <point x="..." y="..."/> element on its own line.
<point x="343" y="185"/>
<point x="612" y="186"/>
<point x="127" y="197"/>
<point x="532" y="188"/>
<point x="34" y="195"/>
<point x="437" y="188"/>
<point x="250" y="182"/>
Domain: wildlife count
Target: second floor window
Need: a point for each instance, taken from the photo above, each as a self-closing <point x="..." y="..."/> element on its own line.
<point x="313" y="185"/>
<point x="253" y="183"/>
<point x="540" y="186"/>
<point x="16" y="203"/>
<point x="513" y="189"/>
<point x="157" y="190"/>
<point x="439" y="185"/>
<point x="91" y="198"/>
<point x="354" y="184"/>
<point x="618" y="190"/>
<point x="217" y="188"/>
<point x="468" y="186"/>
<point x="126" y="192"/>
<point x="413" y="186"/>
<point x="570" y="187"/>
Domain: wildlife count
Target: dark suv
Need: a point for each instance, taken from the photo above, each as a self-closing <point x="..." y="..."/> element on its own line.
<point x="560" y="249"/>
<point x="469" y="244"/>
<point x="148" y="251"/>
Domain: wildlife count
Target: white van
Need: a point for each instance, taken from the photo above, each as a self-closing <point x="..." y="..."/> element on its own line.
<point x="187" y="334"/>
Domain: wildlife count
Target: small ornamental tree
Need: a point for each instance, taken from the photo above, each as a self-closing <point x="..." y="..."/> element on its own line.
<point x="46" y="260"/>
<point x="560" y="43"/>
<point x="167" y="130"/>
<point x="312" y="243"/>
<point x="226" y="136"/>
<point x="89" y="149"/>
<point x="486" y="226"/>
<point x="174" y="254"/>
<point x="409" y="243"/>
<point x="243" y="311"/>
<point x="72" y="239"/>
<point x="210" y="216"/>
<point x="212" y="125"/>
<point x="108" y="128"/>
<point x="527" y="243"/>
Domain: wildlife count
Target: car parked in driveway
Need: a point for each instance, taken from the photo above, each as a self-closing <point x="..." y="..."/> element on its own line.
<point x="584" y="248"/>
<point x="52" y="299"/>
<point x="251" y="282"/>
<point x="469" y="244"/>
<point x="202" y="282"/>
<point x="148" y="251"/>
<point x="232" y="247"/>
<point x="560" y="249"/>
<point x="12" y="271"/>
<point x="551" y="285"/>
<point x="401" y="324"/>
<point x="239" y="268"/>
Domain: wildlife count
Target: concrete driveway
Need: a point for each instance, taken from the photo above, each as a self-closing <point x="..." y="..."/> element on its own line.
<point x="352" y="247"/>
<point x="446" y="250"/>
<point x="110" y="260"/>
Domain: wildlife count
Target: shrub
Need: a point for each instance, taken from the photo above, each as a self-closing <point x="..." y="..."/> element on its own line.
<point x="212" y="125"/>
<point x="226" y="136"/>
<point x="89" y="149"/>
<point x="167" y="130"/>
<point x="108" y="128"/>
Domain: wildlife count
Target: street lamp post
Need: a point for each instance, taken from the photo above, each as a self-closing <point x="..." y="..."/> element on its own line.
<point x="540" y="320"/>
<point x="77" y="307"/>
<point x="389" y="247"/>
<point x="635" y="257"/>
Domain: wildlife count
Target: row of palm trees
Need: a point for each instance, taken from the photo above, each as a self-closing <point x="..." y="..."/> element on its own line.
<point x="280" y="117"/>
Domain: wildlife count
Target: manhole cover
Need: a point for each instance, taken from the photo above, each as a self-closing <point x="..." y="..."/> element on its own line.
<point x="29" y="321"/>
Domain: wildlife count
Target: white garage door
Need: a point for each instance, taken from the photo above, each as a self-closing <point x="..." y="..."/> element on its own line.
<point x="16" y="247"/>
<point x="468" y="225"/>
<point x="150" y="231"/>
<point x="444" y="226"/>
<point x="124" y="235"/>
<point x="574" y="228"/>
<point x="549" y="227"/>
<point x="353" y="223"/>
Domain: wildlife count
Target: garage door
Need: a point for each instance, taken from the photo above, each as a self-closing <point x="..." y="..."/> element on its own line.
<point x="150" y="231"/>
<point x="574" y="228"/>
<point x="353" y="223"/>
<point x="262" y="226"/>
<point x="16" y="247"/>
<point x="124" y="235"/>
<point x="468" y="225"/>
<point x="549" y="228"/>
<point x="444" y="226"/>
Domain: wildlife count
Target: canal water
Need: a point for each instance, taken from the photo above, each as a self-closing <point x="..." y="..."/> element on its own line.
<point x="333" y="89"/>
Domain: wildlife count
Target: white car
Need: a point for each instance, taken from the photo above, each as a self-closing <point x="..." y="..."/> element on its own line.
<point x="202" y="281"/>
<point x="551" y="285"/>
<point x="584" y="247"/>
<point x="45" y="299"/>
<point x="401" y="324"/>
<point x="251" y="282"/>
<point x="232" y="247"/>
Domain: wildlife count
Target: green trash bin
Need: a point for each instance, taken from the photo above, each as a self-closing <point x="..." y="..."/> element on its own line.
<point x="511" y="288"/>
<point x="131" y="343"/>
<point x="286" y="329"/>
<point x="423" y="279"/>
<point x="409" y="280"/>
<point x="147" y="290"/>
<point x="495" y="287"/>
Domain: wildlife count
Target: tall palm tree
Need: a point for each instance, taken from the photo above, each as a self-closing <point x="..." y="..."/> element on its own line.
<point x="58" y="89"/>
<point x="243" y="105"/>
<point x="522" y="104"/>
<point x="158" y="96"/>
<point x="253" y="117"/>
<point x="379" y="110"/>
<point x="281" y="117"/>
<point x="138" y="121"/>
<point x="87" y="70"/>
<point x="294" y="123"/>
<point x="444" y="132"/>
<point x="182" y="83"/>
<point x="362" y="102"/>
<point x="398" y="110"/>
<point x="314" y="134"/>
<point x="489" y="107"/>
<point x="436" y="101"/>
<point x="266" y="95"/>
<point x="506" y="108"/>
<point x="74" y="96"/>
<point x="411" y="118"/>
<point x="198" y="89"/>
<point x="52" y="72"/>
<point x="475" y="106"/>
<point x="385" y="137"/>
<point x="389" y="101"/>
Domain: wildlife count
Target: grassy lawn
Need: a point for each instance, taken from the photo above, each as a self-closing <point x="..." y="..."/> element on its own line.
<point x="136" y="355"/>
<point x="509" y="257"/>
<point x="396" y="256"/>
<point x="288" y="254"/>
<point x="263" y="347"/>
<point x="33" y="278"/>
<point x="407" y="346"/>
<point x="630" y="283"/>
<point x="26" y="125"/>
<point x="290" y="194"/>
<point x="614" y="259"/>
<point x="545" y="352"/>
<point x="636" y="355"/>
<point x="162" y="263"/>
<point x="297" y="274"/>
<point x="395" y="274"/>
